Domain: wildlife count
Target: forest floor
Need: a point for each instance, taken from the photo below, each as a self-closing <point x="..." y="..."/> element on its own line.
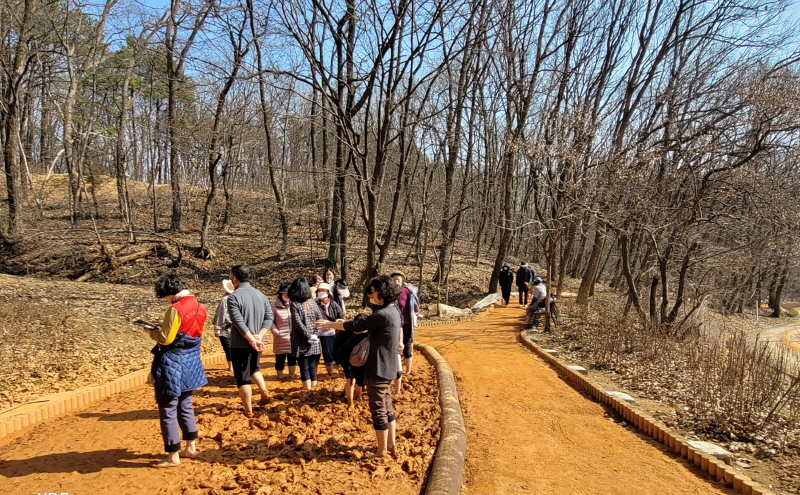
<point x="59" y="335"/>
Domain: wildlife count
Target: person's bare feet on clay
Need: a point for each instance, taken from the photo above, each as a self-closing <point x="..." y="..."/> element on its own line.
<point x="172" y="460"/>
<point x="190" y="452"/>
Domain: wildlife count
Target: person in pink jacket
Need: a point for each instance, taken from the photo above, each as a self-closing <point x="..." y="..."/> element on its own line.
<point x="281" y="332"/>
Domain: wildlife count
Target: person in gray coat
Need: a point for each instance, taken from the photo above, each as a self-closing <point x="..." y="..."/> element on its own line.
<point x="382" y="367"/>
<point x="251" y="319"/>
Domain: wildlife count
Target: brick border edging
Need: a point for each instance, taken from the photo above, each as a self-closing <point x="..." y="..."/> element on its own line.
<point x="447" y="470"/>
<point x="653" y="428"/>
<point x="82" y="397"/>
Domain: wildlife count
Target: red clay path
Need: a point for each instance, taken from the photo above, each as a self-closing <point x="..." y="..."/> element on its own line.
<point x="528" y="431"/>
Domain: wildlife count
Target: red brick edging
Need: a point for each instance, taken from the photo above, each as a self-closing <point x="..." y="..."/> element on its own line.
<point x="653" y="428"/>
<point x="21" y="417"/>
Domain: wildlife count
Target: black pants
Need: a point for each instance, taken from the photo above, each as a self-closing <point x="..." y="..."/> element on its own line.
<point x="523" y="292"/>
<point x="327" y="348"/>
<point x="245" y="363"/>
<point x="308" y="367"/>
<point x="408" y="341"/>
<point x="280" y="361"/>
<point x="226" y="346"/>
<point x="506" y="293"/>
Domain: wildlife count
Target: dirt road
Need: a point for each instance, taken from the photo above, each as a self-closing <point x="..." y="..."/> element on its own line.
<point x="529" y="432"/>
<point x="300" y="443"/>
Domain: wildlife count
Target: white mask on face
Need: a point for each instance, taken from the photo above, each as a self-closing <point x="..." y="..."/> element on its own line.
<point x="322" y="295"/>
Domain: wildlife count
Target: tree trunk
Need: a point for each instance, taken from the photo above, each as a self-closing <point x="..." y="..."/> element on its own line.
<point x="587" y="282"/>
<point x="776" y="308"/>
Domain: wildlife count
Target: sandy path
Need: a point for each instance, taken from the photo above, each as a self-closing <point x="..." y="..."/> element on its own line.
<point x="529" y="432"/>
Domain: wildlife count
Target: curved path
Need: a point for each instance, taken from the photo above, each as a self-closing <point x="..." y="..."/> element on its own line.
<point x="530" y="432"/>
<point x="783" y="334"/>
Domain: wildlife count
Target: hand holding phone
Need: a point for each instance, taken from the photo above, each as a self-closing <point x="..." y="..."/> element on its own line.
<point x="145" y="325"/>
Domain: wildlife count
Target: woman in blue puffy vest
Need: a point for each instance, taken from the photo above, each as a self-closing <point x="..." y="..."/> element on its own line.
<point x="177" y="369"/>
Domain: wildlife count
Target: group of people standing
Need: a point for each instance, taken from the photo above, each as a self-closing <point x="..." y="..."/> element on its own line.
<point x="527" y="283"/>
<point x="306" y="321"/>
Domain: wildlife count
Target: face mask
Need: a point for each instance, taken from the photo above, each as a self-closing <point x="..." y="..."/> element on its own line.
<point x="322" y="295"/>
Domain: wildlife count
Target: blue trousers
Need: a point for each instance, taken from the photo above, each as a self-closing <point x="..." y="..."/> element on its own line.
<point x="174" y="412"/>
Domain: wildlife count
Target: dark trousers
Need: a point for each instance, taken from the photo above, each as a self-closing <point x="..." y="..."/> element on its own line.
<point x="506" y="293"/>
<point x="308" y="367"/>
<point x="327" y="348"/>
<point x="380" y="402"/>
<point x="280" y="361"/>
<point x="408" y="340"/>
<point x="174" y="412"/>
<point x="245" y="364"/>
<point x="226" y="346"/>
<point x="523" y="292"/>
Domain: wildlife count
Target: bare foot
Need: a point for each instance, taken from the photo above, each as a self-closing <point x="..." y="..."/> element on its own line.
<point x="166" y="462"/>
<point x="189" y="454"/>
<point x="264" y="400"/>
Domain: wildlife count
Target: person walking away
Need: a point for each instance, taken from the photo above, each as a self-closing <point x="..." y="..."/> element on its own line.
<point x="176" y="369"/>
<point x="524" y="277"/>
<point x="222" y="322"/>
<point x="506" y="279"/>
<point x="251" y="318"/>
<point x="332" y="312"/>
<point x="408" y="303"/>
<point x="306" y="346"/>
<point x="382" y="328"/>
<point x="281" y="334"/>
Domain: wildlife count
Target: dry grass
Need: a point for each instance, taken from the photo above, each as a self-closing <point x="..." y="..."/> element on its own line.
<point x="720" y="381"/>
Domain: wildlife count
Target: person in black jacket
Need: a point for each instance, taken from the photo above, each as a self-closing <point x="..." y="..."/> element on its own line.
<point x="524" y="277"/>
<point x="383" y="330"/>
<point x="506" y="278"/>
<point x="331" y="312"/>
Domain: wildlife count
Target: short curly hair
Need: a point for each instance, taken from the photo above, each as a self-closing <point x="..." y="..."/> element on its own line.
<point x="169" y="284"/>
<point x="387" y="289"/>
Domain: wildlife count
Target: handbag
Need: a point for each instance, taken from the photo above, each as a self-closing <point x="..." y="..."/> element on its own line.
<point x="360" y="353"/>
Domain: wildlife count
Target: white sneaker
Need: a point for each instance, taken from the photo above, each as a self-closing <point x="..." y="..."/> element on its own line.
<point x="521" y="305"/>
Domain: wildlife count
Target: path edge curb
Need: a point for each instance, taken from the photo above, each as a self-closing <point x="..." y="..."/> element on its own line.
<point x="653" y="428"/>
<point x="69" y="401"/>
<point x="447" y="470"/>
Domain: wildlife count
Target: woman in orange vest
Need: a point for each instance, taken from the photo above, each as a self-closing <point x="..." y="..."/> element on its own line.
<point x="177" y="369"/>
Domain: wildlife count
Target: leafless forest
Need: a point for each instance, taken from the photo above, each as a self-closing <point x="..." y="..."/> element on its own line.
<point x="649" y="145"/>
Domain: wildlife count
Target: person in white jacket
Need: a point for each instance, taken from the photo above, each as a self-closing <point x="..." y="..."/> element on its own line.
<point x="537" y="304"/>
<point x="222" y="322"/>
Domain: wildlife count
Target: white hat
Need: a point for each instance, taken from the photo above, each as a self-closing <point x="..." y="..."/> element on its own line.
<point x="228" y="286"/>
<point x="324" y="286"/>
